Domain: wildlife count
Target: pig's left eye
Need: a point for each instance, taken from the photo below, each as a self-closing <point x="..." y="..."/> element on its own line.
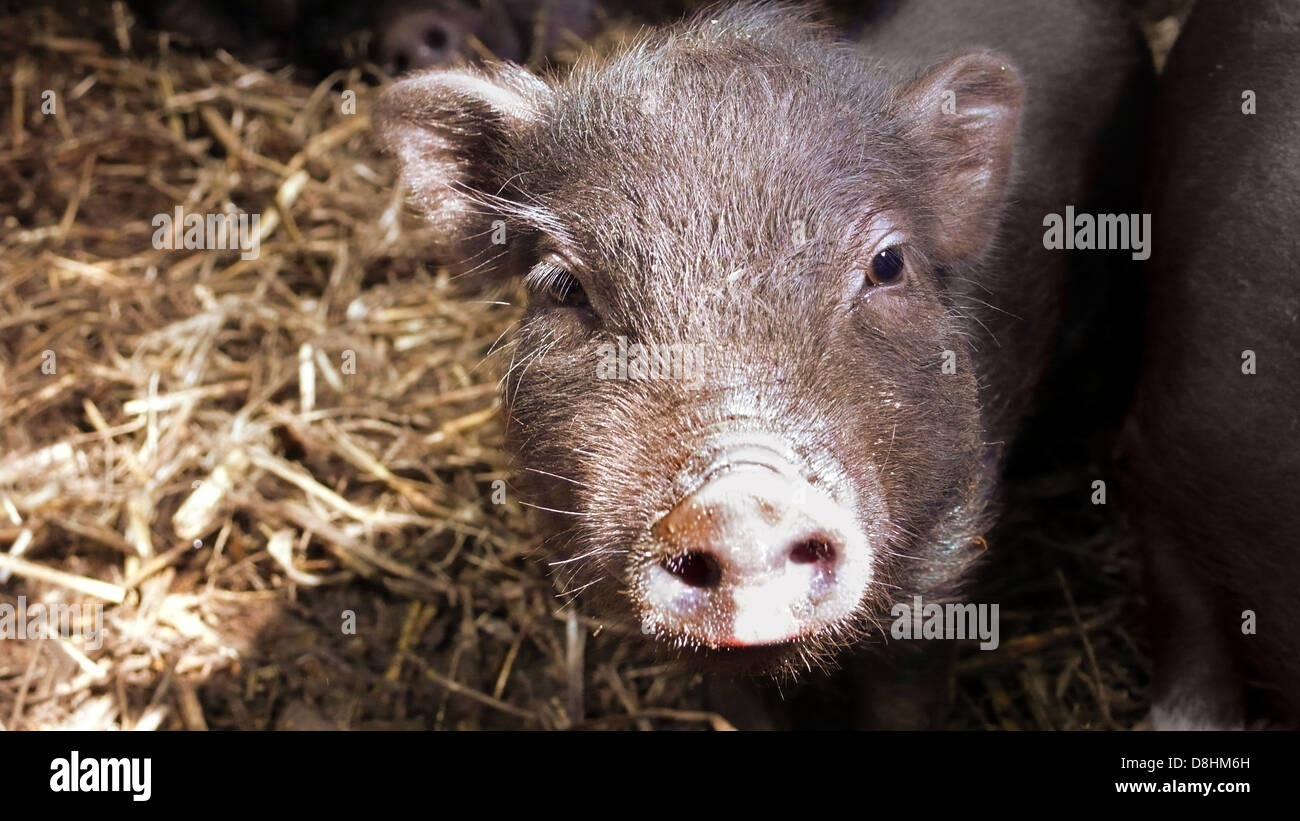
<point x="887" y="267"/>
<point x="555" y="284"/>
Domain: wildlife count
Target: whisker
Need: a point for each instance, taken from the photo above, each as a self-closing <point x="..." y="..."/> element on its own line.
<point x="553" y="510"/>
<point x="558" y="476"/>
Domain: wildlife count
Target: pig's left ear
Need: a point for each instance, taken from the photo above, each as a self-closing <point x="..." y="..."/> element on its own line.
<point x="965" y="111"/>
<point x="451" y="131"/>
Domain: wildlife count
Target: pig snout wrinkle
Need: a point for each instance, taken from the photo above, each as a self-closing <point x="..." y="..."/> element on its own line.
<point x="754" y="556"/>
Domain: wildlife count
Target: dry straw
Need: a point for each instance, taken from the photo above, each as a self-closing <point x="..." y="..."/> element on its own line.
<point x="275" y="474"/>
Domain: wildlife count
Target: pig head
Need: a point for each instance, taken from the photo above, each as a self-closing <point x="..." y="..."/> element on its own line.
<point x="748" y="190"/>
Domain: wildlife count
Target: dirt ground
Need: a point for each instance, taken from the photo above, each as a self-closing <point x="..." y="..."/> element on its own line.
<point x="277" y="475"/>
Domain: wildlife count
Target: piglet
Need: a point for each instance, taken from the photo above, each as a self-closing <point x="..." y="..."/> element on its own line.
<point x="788" y="297"/>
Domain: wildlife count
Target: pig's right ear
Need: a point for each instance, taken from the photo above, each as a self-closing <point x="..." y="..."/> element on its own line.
<point x="452" y="131"/>
<point x="965" y="112"/>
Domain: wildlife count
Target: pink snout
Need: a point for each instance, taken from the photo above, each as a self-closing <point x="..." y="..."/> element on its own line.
<point x="756" y="555"/>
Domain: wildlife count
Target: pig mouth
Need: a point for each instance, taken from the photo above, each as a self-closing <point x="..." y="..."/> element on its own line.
<point x="754" y="553"/>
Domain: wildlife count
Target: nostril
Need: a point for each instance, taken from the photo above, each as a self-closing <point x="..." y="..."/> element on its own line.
<point x="436" y="38"/>
<point x="812" y="550"/>
<point x="695" y="569"/>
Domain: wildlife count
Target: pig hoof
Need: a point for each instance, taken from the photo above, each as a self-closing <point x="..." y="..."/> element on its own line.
<point x="1183" y="717"/>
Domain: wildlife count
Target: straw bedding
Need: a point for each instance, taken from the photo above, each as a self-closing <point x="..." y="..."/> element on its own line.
<point x="279" y="476"/>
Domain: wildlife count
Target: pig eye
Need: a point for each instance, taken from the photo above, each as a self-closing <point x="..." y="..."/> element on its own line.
<point x="887" y="267"/>
<point x="556" y="285"/>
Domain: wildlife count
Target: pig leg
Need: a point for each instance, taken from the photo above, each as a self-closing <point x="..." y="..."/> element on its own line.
<point x="1197" y="686"/>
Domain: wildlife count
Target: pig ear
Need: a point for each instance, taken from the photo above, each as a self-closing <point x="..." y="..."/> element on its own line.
<point x="967" y="108"/>
<point x="451" y="131"/>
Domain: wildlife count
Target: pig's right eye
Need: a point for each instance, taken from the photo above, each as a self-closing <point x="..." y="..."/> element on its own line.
<point x="554" y="284"/>
<point x="887" y="267"/>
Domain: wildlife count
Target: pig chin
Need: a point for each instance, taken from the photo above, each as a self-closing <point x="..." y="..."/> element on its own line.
<point x="753" y="553"/>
